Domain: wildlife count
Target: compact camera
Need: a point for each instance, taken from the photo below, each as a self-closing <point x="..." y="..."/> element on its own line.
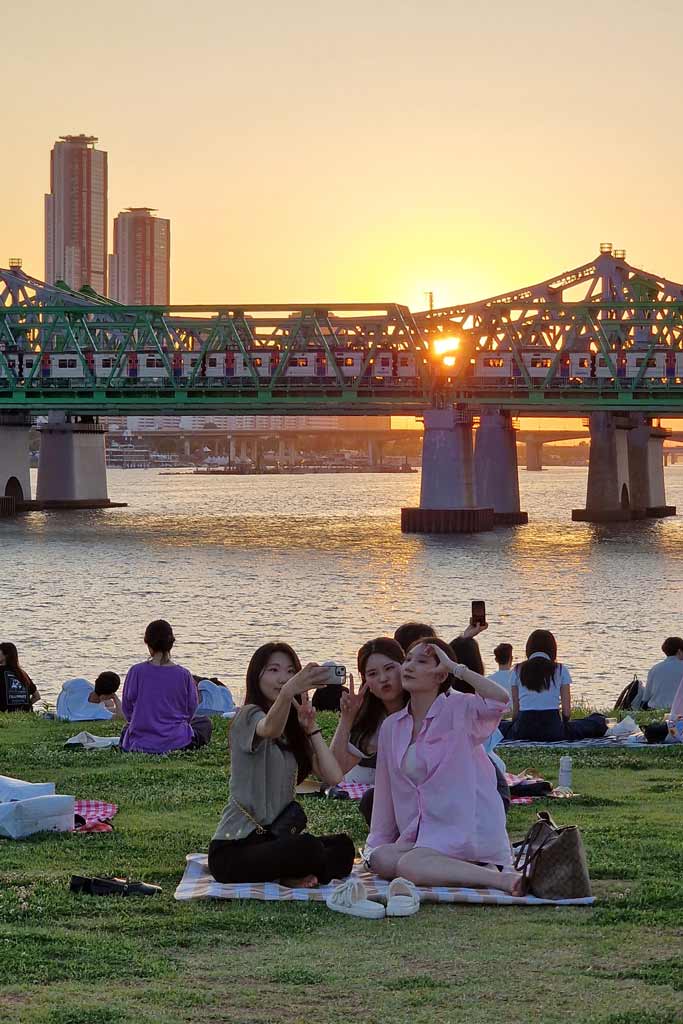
<point x="336" y="673"/>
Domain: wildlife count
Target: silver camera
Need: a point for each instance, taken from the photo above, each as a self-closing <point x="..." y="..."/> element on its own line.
<point x="336" y="673"/>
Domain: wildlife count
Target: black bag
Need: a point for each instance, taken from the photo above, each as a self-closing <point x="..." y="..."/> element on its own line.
<point x="14" y="692"/>
<point x="290" y="822"/>
<point x="625" y="699"/>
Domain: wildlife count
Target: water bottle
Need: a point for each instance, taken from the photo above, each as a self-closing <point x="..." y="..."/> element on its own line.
<point x="565" y="779"/>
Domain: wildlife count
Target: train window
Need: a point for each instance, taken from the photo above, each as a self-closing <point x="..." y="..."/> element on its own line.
<point x="494" y="361"/>
<point x="28" y="363"/>
<point x="62" y="364"/>
<point x="646" y="362"/>
<point x="106" y="364"/>
<point x="303" y="361"/>
<point x="348" y="361"/>
<point x="72" y="363"/>
<point x="257" y="361"/>
<point x="156" y="363"/>
<point x="386" y="360"/>
<point x="404" y="361"/>
<point x="213" y="361"/>
<point x="194" y="360"/>
<point x="584" y="363"/>
<point x="540" y="362"/>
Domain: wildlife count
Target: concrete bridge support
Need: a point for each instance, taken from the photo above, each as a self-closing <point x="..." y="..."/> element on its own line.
<point x="447" y="493"/>
<point x="534" y="456"/>
<point x="625" y="470"/>
<point x="72" y="471"/>
<point x="15" y="479"/>
<point x="496" y="470"/>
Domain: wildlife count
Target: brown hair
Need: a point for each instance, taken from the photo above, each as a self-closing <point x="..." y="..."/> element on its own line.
<point x="450" y="682"/>
<point x="372" y="710"/>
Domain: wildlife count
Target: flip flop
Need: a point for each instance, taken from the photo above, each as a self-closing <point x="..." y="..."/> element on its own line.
<point x="403" y="899"/>
<point x="351" y="897"/>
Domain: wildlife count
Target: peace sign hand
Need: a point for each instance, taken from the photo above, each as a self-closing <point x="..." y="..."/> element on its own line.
<point x="306" y="714"/>
<point x="350" y="703"/>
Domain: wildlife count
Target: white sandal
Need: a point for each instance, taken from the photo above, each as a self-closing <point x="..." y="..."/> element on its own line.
<point x="403" y="899"/>
<point x="351" y="897"/>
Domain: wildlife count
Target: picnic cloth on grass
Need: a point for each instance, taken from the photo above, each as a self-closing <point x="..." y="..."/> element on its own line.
<point x="637" y="741"/>
<point x="356" y="790"/>
<point x="198" y="883"/>
<point x="97" y="814"/>
<point x="89" y="741"/>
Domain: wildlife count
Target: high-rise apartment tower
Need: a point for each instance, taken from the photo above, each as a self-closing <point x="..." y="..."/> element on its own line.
<point x="140" y="268"/>
<point x="76" y="214"/>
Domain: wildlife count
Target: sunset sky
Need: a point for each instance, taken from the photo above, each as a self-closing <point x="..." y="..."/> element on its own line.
<point x="367" y="150"/>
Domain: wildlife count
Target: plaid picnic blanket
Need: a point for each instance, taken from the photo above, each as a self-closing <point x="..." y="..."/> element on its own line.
<point x="356" y="790"/>
<point x="97" y="814"/>
<point x="198" y="883"/>
<point x="630" y="742"/>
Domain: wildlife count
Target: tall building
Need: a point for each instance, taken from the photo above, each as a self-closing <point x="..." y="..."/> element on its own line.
<point x="140" y="268"/>
<point x="76" y="214"/>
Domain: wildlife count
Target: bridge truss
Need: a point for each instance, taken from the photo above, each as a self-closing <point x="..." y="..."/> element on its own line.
<point x="606" y="308"/>
<point x="40" y="321"/>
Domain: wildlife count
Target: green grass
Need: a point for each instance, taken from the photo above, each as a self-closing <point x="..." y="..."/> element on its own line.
<point x="68" y="959"/>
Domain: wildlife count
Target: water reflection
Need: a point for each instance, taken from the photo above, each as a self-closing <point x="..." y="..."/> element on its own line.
<point x="320" y="561"/>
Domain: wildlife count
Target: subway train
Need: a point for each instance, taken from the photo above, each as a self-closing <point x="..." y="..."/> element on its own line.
<point x="576" y="367"/>
<point x="150" y="365"/>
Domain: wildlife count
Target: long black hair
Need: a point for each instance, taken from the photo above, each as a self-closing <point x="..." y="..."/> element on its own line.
<point x="12" y="662"/>
<point x="538" y="673"/>
<point x="372" y="710"/>
<point x="467" y="653"/>
<point x="293" y="738"/>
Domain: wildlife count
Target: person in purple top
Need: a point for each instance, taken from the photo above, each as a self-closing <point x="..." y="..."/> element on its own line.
<point x="159" y="700"/>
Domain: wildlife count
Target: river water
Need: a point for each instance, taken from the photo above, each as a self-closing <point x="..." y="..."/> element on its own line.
<point x="320" y="561"/>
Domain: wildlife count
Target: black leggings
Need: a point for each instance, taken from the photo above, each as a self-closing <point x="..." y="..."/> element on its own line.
<point x="263" y="858"/>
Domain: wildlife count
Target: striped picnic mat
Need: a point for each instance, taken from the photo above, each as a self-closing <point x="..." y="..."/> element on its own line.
<point x="197" y="883"/>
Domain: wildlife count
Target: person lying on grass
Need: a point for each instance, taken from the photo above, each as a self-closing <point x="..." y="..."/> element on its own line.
<point x="355" y="742"/>
<point x="275" y="742"/>
<point x="437" y="818"/>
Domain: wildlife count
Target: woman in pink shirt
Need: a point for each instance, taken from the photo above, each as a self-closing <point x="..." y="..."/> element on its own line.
<point x="437" y="817"/>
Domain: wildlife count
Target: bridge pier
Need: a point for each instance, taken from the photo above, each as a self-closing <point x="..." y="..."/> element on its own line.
<point x="496" y="469"/>
<point x="72" y="471"/>
<point x="447" y="492"/>
<point x="15" y="478"/>
<point x="625" y="470"/>
<point x="534" y="456"/>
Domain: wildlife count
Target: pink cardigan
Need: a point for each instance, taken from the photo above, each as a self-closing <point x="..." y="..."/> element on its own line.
<point x="456" y="810"/>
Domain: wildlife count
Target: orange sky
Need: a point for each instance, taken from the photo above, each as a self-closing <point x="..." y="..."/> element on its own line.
<point x="369" y="151"/>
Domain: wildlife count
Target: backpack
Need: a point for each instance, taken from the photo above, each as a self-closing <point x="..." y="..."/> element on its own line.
<point x="625" y="699"/>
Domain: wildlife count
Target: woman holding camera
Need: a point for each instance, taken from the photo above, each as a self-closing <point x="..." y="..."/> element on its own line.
<point x="437" y="817"/>
<point x="381" y="694"/>
<point x="275" y="743"/>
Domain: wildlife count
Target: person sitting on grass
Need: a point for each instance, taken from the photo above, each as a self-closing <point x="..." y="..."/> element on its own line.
<point x="664" y="678"/>
<point x="541" y="698"/>
<point x="437" y="817"/>
<point x="18" y="692"/>
<point x="80" y="701"/>
<point x="504" y="674"/>
<point x="160" y="699"/>
<point x="275" y="743"/>
<point x="355" y="742"/>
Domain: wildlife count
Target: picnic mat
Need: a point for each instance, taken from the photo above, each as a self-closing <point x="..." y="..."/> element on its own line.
<point x="197" y="883"/>
<point x="97" y="814"/>
<point x="639" y="742"/>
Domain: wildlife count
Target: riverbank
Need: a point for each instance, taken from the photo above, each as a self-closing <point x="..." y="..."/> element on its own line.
<point x="87" y="960"/>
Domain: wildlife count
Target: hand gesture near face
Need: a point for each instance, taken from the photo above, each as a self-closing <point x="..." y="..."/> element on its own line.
<point x="306" y="714"/>
<point x="310" y="677"/>
<point x="440" y="656"/>
<point x="350" y="703"/>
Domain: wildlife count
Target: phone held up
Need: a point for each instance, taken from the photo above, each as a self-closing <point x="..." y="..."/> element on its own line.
<point x="478" y="613"/>
<point x="337" y="673"/>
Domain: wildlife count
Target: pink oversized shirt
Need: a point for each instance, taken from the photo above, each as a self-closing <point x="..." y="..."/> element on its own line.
<point x="456" y="809"/>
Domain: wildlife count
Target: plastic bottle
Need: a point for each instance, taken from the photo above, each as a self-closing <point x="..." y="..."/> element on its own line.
<point x="565" y="778"/>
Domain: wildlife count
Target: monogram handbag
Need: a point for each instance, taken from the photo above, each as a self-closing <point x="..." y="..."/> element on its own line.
<point x="553" y="861"/>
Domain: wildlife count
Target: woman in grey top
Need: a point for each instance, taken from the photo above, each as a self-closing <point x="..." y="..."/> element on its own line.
<point x="275" y="742"/>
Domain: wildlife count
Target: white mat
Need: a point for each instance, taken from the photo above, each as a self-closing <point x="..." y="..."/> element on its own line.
<point x="198" y="883"/>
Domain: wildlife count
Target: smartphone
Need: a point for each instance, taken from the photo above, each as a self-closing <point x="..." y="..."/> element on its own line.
<point x="478" y="613"/>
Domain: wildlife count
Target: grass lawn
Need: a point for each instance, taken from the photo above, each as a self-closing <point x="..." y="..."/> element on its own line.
<point x="68" y="959"/>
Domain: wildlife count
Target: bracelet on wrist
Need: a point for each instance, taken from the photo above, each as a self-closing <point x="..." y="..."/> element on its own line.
<point x="314" y="733"/>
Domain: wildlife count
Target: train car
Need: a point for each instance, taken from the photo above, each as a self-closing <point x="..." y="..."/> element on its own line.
<point x="538" y="363"/>
<point x="65" y="366"/>
<point x="493" y="365"/>
<point x="679" y="365"/>
<point x="350" y="363"/>
<point x="655" y="364"/>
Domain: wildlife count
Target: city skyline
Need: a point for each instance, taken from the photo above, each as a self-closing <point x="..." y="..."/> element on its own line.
<point x="395" y="151"/>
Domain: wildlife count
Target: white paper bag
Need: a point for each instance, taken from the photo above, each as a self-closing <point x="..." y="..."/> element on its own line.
<point x="16" y="789"/>
<point x="37" y="814"/>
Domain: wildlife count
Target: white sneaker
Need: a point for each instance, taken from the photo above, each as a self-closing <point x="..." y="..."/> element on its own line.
<point x="351" y="897"/>
<point x="403" y="899"/>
